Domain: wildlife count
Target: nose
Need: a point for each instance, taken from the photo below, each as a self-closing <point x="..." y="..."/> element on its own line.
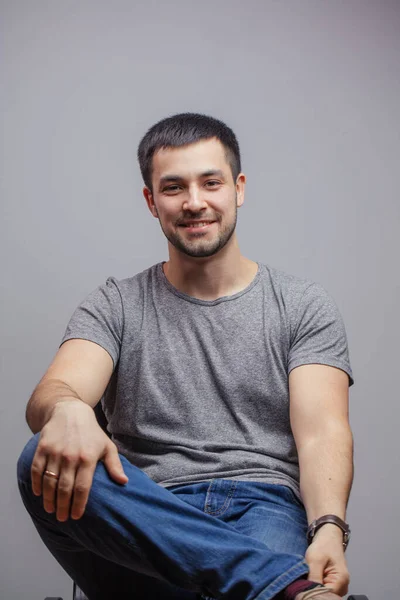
<point x="194" y="200"/>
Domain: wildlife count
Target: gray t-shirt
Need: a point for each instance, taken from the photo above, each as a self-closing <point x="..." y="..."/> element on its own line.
<point x="200" y="388"/>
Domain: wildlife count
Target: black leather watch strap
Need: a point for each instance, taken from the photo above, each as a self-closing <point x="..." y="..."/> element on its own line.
<point x="315" y="525"/>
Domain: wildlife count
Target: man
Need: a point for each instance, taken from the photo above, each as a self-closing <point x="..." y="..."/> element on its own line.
<point x="225" y="387"/>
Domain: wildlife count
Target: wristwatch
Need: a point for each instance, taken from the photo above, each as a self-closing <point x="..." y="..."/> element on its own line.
<point x="315" y="525"/>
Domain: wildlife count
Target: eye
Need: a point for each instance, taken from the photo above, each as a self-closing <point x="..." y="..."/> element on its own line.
<point x="171" y="189"/>
<point x="212" y="183"/>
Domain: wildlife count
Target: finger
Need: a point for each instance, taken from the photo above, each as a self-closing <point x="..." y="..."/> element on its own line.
<point x="49" y="485"/>
<point x="333" y="587"/>
<point x="37" y="469"/>
<point x="316" y="571"/>
<point x="339" y="584"/>
<point x="83" y="484"/>
<point x="343" y="589"/>
<point x="113" y="464"/>
<point x="69" y="466"/>
<point x="65" y="491"/>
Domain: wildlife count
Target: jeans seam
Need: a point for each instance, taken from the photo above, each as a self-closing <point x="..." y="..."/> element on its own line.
<point x="227" y="501"/>
<point x="45" y="519"/>
<point x="100" y="527"/>
<point x="283" y="581"/>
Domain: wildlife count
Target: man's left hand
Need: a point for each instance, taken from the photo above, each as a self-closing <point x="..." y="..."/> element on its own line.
<point x="326" y="560"/>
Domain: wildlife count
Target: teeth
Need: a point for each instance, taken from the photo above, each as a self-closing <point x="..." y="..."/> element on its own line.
<point x="197" y="224"/>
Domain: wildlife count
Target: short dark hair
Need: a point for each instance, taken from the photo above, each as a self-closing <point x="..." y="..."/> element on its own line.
<point x="184" y="129"/>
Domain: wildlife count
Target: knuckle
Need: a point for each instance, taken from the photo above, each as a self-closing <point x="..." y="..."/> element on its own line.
<point x="49" y="451"/>
<point x="314" y="556"/>
<point x="43" y="447"/>
<point x="36" y="469"/>
<point x="80" y="489"/>
<point x="50" y="485"/>
<point x="86" y="458"/>
<point x="68" y="458"/>
<point x="48" y="500"/>
<point x="64" y="488"/>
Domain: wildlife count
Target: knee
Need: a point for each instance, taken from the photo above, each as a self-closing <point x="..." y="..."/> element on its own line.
<point x="26" y="458"/>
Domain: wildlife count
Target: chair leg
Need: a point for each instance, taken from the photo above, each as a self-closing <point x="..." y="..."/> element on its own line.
<point x="78" y="594"/>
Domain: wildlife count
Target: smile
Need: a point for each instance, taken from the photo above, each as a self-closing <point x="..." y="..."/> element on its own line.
<point x="200" y="226"/>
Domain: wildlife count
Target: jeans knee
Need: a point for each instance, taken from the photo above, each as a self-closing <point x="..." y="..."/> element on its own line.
<point x="26" y="458"/>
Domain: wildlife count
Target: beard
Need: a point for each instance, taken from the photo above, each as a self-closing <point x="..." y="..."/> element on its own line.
<point x="199" y="246"/>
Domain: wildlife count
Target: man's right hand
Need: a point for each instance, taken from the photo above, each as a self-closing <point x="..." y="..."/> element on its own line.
<point x="70" y="446"/>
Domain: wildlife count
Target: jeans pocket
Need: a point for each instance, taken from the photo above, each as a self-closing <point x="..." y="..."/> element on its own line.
<point x="219" y="495"/>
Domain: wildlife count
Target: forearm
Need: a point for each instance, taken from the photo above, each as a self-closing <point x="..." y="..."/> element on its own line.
<point x="46" y="395"/>
<point x="326" y="471"/>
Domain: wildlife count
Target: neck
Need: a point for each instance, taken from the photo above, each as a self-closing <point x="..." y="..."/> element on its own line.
<point x="224" y="274"/>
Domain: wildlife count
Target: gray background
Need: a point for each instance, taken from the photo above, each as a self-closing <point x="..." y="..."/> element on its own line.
<point x="312" y="90"/>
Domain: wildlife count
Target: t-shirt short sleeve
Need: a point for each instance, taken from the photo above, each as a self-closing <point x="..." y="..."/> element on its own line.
<point x="318" y="334"/>
<point x="99" y="319"/>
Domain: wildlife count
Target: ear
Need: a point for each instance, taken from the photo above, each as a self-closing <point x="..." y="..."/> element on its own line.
<point x="150" y="201"/>
<point x="240" y="185"/>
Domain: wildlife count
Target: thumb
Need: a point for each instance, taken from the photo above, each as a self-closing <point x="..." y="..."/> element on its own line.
<point x="316" y="571"/>
<point x="113" y="464"/>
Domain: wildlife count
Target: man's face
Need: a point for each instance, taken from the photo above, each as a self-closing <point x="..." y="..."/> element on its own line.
<point x="195" y="183"/>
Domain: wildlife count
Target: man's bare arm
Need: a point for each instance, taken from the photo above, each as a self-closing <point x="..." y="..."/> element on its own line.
<point x="80" y="370"/>
<point x="71" y="441"/>
<point x="320" y="425"/>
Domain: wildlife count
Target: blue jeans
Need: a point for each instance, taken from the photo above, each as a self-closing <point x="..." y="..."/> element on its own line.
<point x="236" y="540"/>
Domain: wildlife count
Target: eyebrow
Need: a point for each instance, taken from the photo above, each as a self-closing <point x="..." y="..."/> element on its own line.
<point x="211" y="173"/>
